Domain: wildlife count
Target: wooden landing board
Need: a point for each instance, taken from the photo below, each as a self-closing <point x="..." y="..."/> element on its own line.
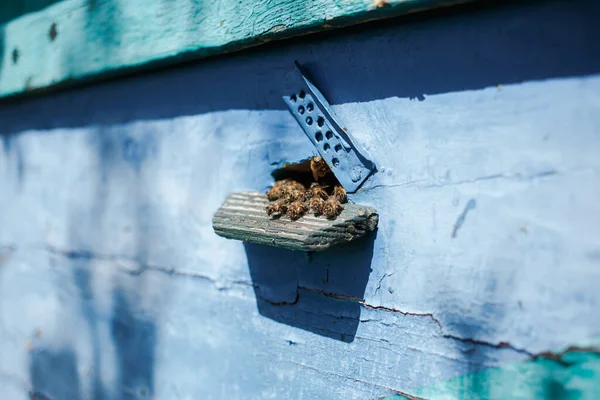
<point x="82" y="39"/>
<point x="242" y="216"/>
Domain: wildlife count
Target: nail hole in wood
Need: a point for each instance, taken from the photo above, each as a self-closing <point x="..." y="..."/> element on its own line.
<point x="53" y="31"/>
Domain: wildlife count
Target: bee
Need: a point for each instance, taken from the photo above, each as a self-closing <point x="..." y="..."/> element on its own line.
<point x="339" y="193"/>
<point x="291" y="184"/>
<point x="296" y="210"/>
<point x="278" y="207"/>
<point x="316" y="205"/>
<point x="282" y="187"/>
<point x="283" y="182"/>
<point x="319" y="167"/>
<point x="316" y="191"/>
<point x="292" y="195"/>
<point x="275" y="192"/>
<point x="332" y="208"/>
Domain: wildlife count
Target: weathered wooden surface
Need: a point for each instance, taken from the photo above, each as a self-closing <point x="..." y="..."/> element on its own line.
<point x="77" y="39"/>
<point x="242" y="217"/>
<point x="113" y="283"/>
<point x="566" y="374"/>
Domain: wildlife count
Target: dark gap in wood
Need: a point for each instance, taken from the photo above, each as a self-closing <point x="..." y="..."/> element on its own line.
<point x="300" y="171"/>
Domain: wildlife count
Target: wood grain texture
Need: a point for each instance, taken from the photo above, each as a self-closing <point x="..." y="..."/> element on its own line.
<point x="487" y="252"/>
<point x="99" y="37"/>
<point x="243" y="217"/>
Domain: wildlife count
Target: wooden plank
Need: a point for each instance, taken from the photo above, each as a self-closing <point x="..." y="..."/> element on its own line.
<point x="242" y="217"/>
<point x="571" y="373"/>
<point x="78" y="39"/>
<point x="110" y="263"/>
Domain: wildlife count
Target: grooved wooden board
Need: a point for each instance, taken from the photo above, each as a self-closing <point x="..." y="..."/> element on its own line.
<point x="80" y="39"/>
<point x="242" y="216"/>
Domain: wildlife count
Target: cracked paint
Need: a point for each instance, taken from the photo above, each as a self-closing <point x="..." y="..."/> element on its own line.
<point x="537" y="378"/>
<point x="558" y="357"/>
<point x="111" y="252"/>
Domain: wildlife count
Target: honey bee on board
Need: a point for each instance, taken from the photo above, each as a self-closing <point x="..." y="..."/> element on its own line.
<point x="280" y="189"/>
<point x="339" y="193"/>
<point x="318" y="167"/>
<point x="292" y="198"/>
<point x="315" y="190"/>
<point x="293" y="195"/>
<point x="283" y="182"/>
<point x="293" y="185"/>
<point x="275" y="192"/>
<point x="276" y="208"/>
<point x="316" y="205"/>
<point x="332" y="208"/>
<point x="296" y="210"/>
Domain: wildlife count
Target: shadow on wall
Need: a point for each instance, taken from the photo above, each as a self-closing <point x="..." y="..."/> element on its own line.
<point x="466" y="325"/>
<point x="82" y="279"/>
<point x="135" y="341"/>
<point x="55" y="376"/>
<point x="133" y="333"/>
<point x="319" y="292"/>
<point x="461" y="48"/>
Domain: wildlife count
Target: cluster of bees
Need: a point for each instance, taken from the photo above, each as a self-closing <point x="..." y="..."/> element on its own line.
<point x="292" y="198"/>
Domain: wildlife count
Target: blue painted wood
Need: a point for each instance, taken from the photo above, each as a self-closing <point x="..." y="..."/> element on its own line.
<point x="87" y="39"/>
<point x="487" y="251"/>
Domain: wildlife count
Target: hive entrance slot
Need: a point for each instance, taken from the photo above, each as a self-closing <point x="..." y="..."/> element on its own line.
<point x="302" y="172"/>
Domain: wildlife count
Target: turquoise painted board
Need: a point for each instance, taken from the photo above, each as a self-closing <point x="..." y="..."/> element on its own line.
<point x="572" y="373"/>
<point x="78" y="39"/>
<point x="12" y="9"/>
<point x="113" y="284"/>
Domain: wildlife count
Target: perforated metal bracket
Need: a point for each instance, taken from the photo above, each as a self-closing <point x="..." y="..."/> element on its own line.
<point x="349" y="163"/>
